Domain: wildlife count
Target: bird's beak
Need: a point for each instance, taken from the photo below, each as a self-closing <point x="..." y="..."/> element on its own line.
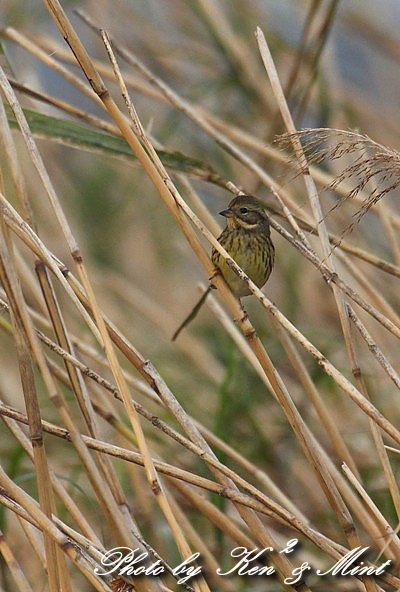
<point x="227" y="213"/>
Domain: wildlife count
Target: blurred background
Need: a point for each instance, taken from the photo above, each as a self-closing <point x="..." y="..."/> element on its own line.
<point x="338" y="62"/>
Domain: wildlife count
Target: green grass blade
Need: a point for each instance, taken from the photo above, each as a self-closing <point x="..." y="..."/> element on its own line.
<point x="81" y="137"/>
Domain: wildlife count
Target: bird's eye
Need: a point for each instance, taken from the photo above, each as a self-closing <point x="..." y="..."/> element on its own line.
<point x="244" y="210"/>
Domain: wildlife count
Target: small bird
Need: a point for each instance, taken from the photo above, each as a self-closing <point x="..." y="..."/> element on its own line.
<point x="247" y="240"/>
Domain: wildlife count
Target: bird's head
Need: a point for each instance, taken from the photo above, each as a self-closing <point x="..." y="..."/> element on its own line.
<point x="246" y="212"/>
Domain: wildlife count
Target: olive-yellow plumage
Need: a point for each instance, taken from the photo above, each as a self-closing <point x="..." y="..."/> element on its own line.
<point x="247" y="240"/>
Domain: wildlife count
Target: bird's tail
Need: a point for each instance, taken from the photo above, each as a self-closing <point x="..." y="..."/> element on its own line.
<point x="193" y="312"/>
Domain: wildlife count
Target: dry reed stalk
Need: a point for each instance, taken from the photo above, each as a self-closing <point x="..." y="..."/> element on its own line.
<point x="300" y="369"/>
<point x="386" y="215"/>
<point x="161" y="183"/>
<point x="103" y="338"/>
<point x="386" y="530"/>
<point x="23" y="333"/>
<point x="151" y="418"/>
<point x="378" y="439"/>
<point x="56" y="566"/>
<point x="259" y="475"/>
<point x="125" y="347"/>
<point x="309" y="51"/>
<point x="129" y="351"/>
<point x="146" y="306"/>
<point x="342" y="245"/>
<point x="78" y="387"/>
<point x="186" y="108"/>
<point x="145" y="504"/>
<point x="11" y="158"/>
<point x="17" y="573"/>
<point x="36" y="158"/>
<point x="316" y="50"/>
<point x="227" y="525"/>
<point x="107" y="503"/>
<point x="369" y="289"/>
<point x="242" y="136"/>
<point x="238" y="338"/>
<point x="352" y="535"/>
<point x="218" y="518"/>
<point x="271" y="308"/>
<point x="154" y="483"/>
<point x="321" y="360"/>
<point x="215" y="441"/>
<point x="346" y="492"/>
<point x="59" y="489"/>
<point x="32" y="512"/>
<point x="250" y="489"/>
<point x="354" y="503"/>
<point x="392" y="449"/>
<point x="51" y="62"/>
<point x="29" y="283"/>
<point x="374" y="348"/>
<point x="210" y="564"/>
<point x="66" y="107"/>
<point x="21" y="228"/>
<point x="235" y="49"/>
<point x="374" y="295"/>
<point x="297" y="64"/>
<point x="61" y="333"/>
<point x="278" y="514"/>
<point x="307" y="224"/>
<point x="52" y="48"/>
<point x="333" y="278"/>
<point x="269" y="506"/>
<point x="198" y="206"/>
<point x="69" y="504"/>
<point x="209" y="436"/>
<point x="34" y="538"/>
<point x="271" y="509"/>
<point x="226" y="471"/>
<point x="191" y="112"/>
<point x="312" y="393"/>
<point x="266" y="506"/>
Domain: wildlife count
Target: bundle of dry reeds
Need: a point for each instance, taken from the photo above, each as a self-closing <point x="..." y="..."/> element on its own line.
<point x="259" y="425"/>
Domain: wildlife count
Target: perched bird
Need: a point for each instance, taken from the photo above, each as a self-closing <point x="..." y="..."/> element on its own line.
<point x="247" y="240"/>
